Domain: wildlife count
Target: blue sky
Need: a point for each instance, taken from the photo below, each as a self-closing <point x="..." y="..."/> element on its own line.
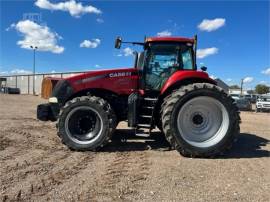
<point x="79" y="35"/>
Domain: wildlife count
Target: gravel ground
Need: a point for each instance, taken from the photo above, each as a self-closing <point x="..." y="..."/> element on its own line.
<point x="36" y="166"/>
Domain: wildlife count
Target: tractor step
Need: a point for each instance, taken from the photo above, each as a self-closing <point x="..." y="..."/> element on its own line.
<point x="150" y="99"/>
<point x="146" y="126"/>
<point x="145" y="116"/>
<point x="141" y="134"/>
<point x="147" y="107"/>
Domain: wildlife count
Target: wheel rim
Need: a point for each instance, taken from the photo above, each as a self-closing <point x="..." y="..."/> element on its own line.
<point x="203" y="121"/>
<point x="83" y="125"/>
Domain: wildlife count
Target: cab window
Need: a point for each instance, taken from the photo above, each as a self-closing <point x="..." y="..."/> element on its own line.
<point x="187" y="59"/>
<point x="164" y="59"/>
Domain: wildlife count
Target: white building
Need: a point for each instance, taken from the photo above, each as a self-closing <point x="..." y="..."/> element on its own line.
<point x="238" y="91"/>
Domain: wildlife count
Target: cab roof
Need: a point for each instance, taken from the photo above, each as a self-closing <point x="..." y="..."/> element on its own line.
<point x="171" y="39"/>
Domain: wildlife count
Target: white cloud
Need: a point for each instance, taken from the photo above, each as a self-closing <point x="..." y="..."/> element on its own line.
<point x="164" y="33"/>
<point x="97" y="66"/>
<point x="11" y="27"/>
<point x="201" y="63"/>
<point x="248" y="79"/>
<point x="38" y="35"/>
<point x="20" y="71"/>
<point x="125" y="52"/>
<point x="266" y="72"/>
<point x="4" y="73"/>
<point x="100" y="20"/>
<point x="228" y="79"/>
<point x="202" y="53"/>
<point x="128" y="51"/>
<point x="211" y="25"/>
<point x="264" y="83"/>
<point x="213" y="77"/>
<point x="75" y="9"/>
<point x="16" y="71"/>
<point x="90" y="44"/>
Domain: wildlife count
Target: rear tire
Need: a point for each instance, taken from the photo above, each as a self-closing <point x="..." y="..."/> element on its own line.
<point x="200" y="120"/>
<point x="86" y="123"/>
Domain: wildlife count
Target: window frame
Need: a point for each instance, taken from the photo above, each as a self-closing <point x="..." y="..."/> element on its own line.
<point x="191" y="49"/>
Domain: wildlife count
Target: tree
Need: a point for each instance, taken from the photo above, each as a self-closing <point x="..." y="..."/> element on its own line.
<point x="234" y="87"/>
<point x="262" y="89"/>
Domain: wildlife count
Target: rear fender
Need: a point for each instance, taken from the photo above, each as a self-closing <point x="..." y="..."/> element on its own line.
<point x="183" y="78"/>
<point x="177" y="80"/>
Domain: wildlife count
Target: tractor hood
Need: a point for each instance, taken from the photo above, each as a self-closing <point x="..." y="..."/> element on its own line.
<point x="110" y="79"/>
<point x="119" y="81"/>
<point x="94" y="75"/>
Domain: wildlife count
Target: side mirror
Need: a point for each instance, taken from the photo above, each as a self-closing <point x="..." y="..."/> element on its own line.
<point x="118" y="42"/>
<point x="203" y="68"/>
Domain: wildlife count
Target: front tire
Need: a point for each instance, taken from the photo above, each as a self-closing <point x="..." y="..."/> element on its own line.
<point x="200" y="120"/>
<point x="86" y="123"/>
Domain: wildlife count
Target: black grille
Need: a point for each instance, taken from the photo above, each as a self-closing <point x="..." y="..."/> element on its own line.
<point x="62" y="91"/>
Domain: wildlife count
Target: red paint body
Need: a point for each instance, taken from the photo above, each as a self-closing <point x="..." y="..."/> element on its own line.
<point x="170" y="39"/>
<point x="119" y="85"/>
<point x="125" y="85"/>
<point x="183" y="75"/>
<point x="128" y="82"/>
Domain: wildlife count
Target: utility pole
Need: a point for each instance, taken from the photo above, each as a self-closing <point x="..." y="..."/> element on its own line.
<point x="241" y="87"/>
<point x="34" y="67"/>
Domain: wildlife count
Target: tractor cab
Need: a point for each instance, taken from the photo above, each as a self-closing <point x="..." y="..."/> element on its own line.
<point x="162" y="57"/>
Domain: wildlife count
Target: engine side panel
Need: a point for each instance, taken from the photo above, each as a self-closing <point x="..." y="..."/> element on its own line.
<point x="119" y="81"/>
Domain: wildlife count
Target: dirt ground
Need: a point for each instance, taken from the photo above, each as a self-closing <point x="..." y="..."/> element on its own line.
<point x="36" y="166"/>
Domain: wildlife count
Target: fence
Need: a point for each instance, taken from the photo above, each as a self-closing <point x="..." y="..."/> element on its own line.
<point x="25" y="82"/>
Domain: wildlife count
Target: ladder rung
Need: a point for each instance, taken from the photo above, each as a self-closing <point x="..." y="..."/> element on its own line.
<point x="150" y="99"/>
<point x="142" y="134"/>
<point x="147" y="107"/>
<point x="143" y="126"/>
<point x="145" y="116"/>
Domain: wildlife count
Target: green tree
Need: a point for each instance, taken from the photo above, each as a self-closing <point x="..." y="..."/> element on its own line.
<point x="262" y="89"/>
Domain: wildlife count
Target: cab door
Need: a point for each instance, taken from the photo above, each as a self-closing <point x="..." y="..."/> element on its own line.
<point x="140" y="68"/>
<point x="161" y="62"/>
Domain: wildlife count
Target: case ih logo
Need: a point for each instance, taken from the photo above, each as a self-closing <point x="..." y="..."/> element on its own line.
<point x="118" y="74"/>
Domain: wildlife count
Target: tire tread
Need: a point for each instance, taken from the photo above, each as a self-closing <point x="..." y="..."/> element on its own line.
<point x="108" y="111"/>
<point x="166" y="112"/>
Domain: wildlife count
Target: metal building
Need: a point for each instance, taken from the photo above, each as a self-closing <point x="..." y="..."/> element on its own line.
<point x="25" y="82"/>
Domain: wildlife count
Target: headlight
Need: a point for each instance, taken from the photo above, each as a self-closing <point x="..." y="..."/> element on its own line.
<point x="53" y="100"/>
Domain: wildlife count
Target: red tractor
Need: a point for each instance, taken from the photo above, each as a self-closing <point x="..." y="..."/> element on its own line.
<point x="163" y="89"/>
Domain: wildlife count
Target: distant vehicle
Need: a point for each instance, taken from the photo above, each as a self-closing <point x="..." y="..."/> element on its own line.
<point x="10" y="90"/>
<point x="244" y="104"/>
<point x="263" y="103"/>
<point x="235" y="96"/>
<point x="252" y="98"/>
